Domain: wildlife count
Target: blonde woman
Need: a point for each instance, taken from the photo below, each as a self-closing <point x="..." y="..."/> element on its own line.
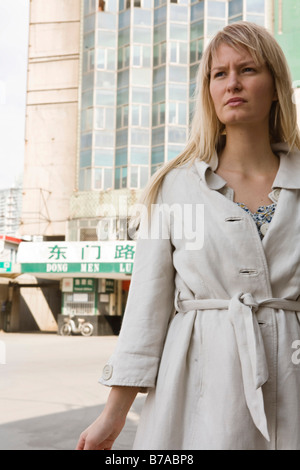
<point x="212" y="323"/>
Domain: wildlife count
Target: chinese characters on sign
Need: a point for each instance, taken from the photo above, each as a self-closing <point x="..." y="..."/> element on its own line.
<point x="81" y="257"/>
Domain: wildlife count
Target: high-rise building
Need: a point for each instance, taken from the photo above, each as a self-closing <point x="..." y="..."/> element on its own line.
<point x="109" y="100"/>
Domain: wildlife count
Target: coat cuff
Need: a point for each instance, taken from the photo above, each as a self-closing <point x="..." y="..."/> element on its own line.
<point x="130" y="370"/>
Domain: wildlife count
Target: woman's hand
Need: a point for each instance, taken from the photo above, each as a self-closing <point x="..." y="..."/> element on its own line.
<point x="102" y="433"/>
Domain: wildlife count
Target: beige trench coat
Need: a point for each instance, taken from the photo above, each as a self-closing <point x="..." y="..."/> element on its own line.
<point x="223" y="372"/>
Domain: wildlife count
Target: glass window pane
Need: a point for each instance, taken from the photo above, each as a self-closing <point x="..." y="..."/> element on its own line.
<point x="258" y="19"/>
<point x="197" y="11"/>
<point x="178" y="92"/>
<point x="140" y="136"/>
<point x="158" y="155"/>
<point x="182" y="114"/>
<point x="174" y="151"/>
<point x="142" y="35"/>
<point x="106" y="39"/>
<point x="139" y="155"/>
<point x="124" y="37"/>
<point x="86" y="141"/>
<point x="144" y="176"/>
<point x="135" y="116"/>
<point x="117" y="178"/>
<point x="121" y="156"/>
<point x="99" y="118"/>
<point x="137" y="55"/>
<point x="158" y="135"/>
<point x="159" y="75"/>
<point x="160" y="15"/>
<point x="124" y="18"/>
<point x="235" y="7"/>
<point x="105" y="97"/>
<point x="104" y="157"/>
<point x="183" y="53"/>
<point x="216" y="9"/>
<point x="177" y="73"/>
<point x="105" y="79"/>
<point x="178" y="31"/>
<point x="101" y="58"/>
<point x="111" y="59"/>
<point x="177" y="135"/>
<point x="141" y="76"/>
<point x="107" y="21"/>
<point x="256" y="6"/>
<point x="134" y="177"/>
<point x="122" y="96"/>
<point x="122" y="138"/>
<point x="145" y="116"/>
<point x="197" y="30"/>
<point x="124" y="177"/>
<point x="155" y="120"/>
<point x="178" y="13"/>
<point x="104" y="139"/>
<point x="160" y="33"/>
<point x="140" y="95"/>
<point x="109" y="118"/>
<point x="142" y="17"/>
<point x="108" y="173"/>
<point x="159" y="93"/>
<point x="172" y="113"/>
<point x="85" y="158"/>
<point x="213" y="26"/>
<point x="98" y="178"/>
<point x="89" y="40"/>
<point x="123" y="78"/>
<point x="87" y="81"/>
<point x="146" y="56"/>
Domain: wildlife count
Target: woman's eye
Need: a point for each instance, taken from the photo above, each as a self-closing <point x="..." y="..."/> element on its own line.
<point x="219" y="74"/>
<point x="248" y="69"/>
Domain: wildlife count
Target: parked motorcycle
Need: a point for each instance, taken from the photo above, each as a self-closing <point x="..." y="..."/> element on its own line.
<point x="69" y="327"/>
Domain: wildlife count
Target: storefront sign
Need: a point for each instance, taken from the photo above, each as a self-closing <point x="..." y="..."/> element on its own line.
<point x="84" y="285"/>
<point x="77" y="257"/>
<point x="5" y="267"/>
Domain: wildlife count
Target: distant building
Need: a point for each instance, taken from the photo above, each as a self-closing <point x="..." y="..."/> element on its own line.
<point x="10" y="211"/>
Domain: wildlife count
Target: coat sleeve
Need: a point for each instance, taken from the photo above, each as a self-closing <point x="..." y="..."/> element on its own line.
<point x="149" y="307"/>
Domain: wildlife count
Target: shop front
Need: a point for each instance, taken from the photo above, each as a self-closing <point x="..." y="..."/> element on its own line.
<point x="94" y="279"/>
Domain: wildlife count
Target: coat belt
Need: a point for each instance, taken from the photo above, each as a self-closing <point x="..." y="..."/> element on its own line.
<point x="242" y="309"/>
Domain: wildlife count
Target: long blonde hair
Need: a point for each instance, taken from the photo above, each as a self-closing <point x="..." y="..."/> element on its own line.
<point x="206" y="129"/>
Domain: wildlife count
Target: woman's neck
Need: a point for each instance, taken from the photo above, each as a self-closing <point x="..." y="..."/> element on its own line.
<point x="247" y="151"/>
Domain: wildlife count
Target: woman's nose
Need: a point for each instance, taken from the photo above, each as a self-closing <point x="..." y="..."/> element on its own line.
<point x="233" y="83"/>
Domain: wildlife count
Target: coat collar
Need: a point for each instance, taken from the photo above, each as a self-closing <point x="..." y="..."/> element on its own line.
<point x="288" y="175"/>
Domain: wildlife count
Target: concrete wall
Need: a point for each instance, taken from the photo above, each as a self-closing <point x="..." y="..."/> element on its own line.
<point x="51" y="116"/>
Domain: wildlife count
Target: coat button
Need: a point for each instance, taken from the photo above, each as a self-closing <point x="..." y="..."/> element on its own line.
<point x="264" y="228"/>
<point x="107" y="371"/>
<point x="276" y="194"/>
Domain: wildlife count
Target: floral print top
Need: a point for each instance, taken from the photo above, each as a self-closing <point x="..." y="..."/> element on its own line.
<point x="262" y="217"/>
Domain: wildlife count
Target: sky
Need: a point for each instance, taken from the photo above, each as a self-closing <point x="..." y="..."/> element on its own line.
<point x="14" y="25"/>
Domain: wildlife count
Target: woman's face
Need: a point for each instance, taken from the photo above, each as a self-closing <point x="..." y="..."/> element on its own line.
<point x="241" y="90"/>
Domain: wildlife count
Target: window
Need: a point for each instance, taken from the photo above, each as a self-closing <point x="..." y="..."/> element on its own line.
<point x="159" y="54"/>
<point x="121" y="177"/>
<point x="158" y="114"/>
<point x="177" y="113"/>
<point x="122" y="116"/>
<point x="140" y="115"/>
<point x="178" y="52"/>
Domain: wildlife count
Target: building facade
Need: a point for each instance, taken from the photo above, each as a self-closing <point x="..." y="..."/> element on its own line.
<point x="110" y="95"/>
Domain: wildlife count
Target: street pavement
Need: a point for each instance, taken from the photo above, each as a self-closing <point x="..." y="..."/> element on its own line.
<point x="49" y="390"/>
